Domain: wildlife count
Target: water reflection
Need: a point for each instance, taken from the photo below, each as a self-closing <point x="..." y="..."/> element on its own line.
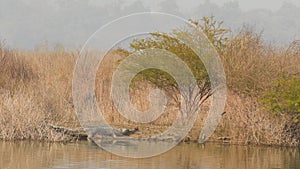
<point x="136" y="148"/>
<point x="36" y="155"/>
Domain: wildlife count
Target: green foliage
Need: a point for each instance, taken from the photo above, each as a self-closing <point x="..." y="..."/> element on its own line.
<point x="284" y="98"/>
<point x="214" y="31"/>
<point x="170" y="42"/>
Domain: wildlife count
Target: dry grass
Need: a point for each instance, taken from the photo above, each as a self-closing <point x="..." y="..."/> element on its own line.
<point x="35" y="91"/>
<point x="251" y="69"/>
<point x="247" y="123"/>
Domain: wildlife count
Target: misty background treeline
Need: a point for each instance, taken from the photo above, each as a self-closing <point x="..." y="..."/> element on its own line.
<point x="34" y="24"/>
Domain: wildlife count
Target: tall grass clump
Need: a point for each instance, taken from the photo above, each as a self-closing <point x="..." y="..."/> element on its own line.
<point x="252" y="69"/>
<point x="35" y="92"/>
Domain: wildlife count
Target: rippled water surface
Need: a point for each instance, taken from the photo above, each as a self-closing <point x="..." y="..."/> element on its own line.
<point x="84" y="155"/>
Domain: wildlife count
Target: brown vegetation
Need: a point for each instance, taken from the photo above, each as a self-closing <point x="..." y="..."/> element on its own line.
<point x="35" y="92"/>
<point x="251" y="69"/>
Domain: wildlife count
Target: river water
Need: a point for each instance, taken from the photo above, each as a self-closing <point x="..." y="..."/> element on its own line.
<point x="85" y="155"/>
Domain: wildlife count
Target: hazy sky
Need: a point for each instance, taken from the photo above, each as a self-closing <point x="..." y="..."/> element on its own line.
<point x="25" y="24"/>
<point x="244" y="4"/>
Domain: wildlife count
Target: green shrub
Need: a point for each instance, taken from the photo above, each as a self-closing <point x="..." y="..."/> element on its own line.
<point x="284" y="97"/>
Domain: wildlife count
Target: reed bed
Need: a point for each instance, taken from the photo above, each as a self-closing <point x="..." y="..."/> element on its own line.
<point x="36" y="91"/>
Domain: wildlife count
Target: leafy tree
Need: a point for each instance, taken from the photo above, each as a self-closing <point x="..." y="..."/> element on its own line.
<point x="170" y="42"/>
